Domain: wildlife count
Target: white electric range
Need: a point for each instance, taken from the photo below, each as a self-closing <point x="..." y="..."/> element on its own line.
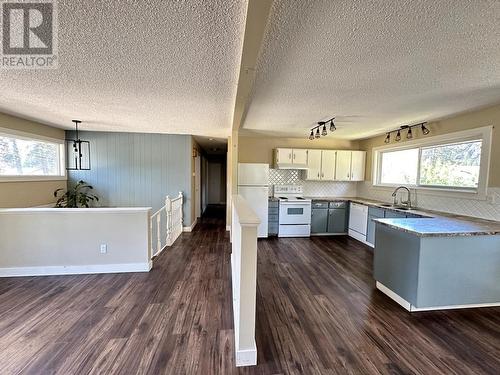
<point x="294" y="211"/>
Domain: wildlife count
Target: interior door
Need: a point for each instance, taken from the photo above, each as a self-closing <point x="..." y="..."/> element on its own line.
<point x="358" y="161"/>
<point x="313" y="165"/>
<point x="328" y="165"/>
<point x="300" y="157"/>
<point x="343" y="166"/>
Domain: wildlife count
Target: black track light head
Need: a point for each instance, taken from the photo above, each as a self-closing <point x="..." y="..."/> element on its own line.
<point x="317" y="133"/>
<point x="311" y="136"/>
<point x="409" y="135"/>
<point x="324" y="132"/>
<point x="388" y="138"/>
<point x="425" y="131"/>
<point x="332" y="126"/>
<point x="398" y="136"/>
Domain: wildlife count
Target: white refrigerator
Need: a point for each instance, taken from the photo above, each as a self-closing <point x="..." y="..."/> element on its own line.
<point x="253" y="185"/>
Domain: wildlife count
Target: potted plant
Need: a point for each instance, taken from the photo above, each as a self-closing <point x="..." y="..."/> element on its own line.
<point x="75" y="197"/>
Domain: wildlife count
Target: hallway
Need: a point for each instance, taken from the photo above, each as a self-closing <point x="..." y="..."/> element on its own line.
<point x="317" y="313"/>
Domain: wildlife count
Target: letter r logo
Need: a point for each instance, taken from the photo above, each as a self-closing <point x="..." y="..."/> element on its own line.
<point x="27" y="28"/>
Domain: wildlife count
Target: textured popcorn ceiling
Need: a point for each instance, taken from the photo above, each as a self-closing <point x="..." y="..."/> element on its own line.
<point x="141" y="66"/>
<point x="374" y="64"/>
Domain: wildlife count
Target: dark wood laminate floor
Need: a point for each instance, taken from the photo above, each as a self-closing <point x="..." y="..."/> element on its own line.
<point x="318" y="313"/>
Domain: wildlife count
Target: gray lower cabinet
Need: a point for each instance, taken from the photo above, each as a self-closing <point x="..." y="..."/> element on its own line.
<point x="329" y="217"/>
<point x="337" y="220"/>
<point x="319" y="217"/>
<point x="273" y="218"/>
<point x="373" y="213"/>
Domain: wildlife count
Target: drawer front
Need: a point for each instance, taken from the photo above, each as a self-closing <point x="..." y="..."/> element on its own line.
<point x="319" y="204"/>
<point x="274" y="211"/>
<point x="338" y="204"/>
<point x="376" y="212"/>
<point x="273" y="218"/>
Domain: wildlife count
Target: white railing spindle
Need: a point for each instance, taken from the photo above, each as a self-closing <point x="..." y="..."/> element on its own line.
<point x="172" y="211"/>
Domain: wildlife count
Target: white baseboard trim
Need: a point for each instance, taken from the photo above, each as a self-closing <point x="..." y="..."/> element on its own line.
<point x="409" y="307"/>
<point x="401" y="301"/>
<point x="159" y="252"/>
<point x="247" y="357"/>
<point x="75" y="270"/>
<point x="191" y="227"/>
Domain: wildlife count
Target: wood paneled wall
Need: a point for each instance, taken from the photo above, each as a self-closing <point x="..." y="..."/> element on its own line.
<point x="137" y="169"/>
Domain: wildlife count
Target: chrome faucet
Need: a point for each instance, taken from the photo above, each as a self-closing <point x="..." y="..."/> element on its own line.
<point x="406" y="203"/>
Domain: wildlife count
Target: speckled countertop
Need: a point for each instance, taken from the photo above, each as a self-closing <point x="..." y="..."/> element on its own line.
<point x="433" y="223"/>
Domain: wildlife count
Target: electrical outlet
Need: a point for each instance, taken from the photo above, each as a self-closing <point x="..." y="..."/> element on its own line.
<point x="104" y="248"/>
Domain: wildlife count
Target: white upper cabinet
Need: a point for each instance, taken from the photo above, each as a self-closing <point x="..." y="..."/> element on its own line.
<point x="343" y="166"/>
<point x="350" y="166"/>
<point x="321" y="165"/>
<point x="328" y="165"/>
<point x="287" y="158"/>
<point x="299" y="157"/>
<point x="313" y="171"/>
<point x="358" y="162"/>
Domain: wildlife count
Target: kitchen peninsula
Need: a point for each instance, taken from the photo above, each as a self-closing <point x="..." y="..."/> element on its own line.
<point x="438" y="263"/>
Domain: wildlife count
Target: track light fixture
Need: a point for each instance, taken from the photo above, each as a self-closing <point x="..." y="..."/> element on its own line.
<point x="324" y="132"/>
<point x="409" y="133"/>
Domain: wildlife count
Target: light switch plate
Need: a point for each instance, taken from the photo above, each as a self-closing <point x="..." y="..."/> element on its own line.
<point x="104" y="248"/>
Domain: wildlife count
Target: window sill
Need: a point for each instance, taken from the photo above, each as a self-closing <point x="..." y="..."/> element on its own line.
<point x="32" y="178"/>
<point x="443" y="192"/>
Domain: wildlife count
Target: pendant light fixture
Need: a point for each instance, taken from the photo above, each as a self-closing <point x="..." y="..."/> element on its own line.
<point x="315" y="131"/>
<point x="77" y="152"/>
<point x="409" y="133"/>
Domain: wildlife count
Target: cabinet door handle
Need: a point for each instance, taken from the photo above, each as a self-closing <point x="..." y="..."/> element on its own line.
<point x="318" y="174"/>
<point x="290" y="156"/>
<point x="322" y="175"/>
<point x="294" y="156"/>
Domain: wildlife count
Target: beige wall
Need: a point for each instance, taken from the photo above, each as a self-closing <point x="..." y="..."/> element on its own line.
<point x="260" y="149"/>
<point x="485" y="117"/>
<point x="66" y="240"/>
<point x="33" y="193"/>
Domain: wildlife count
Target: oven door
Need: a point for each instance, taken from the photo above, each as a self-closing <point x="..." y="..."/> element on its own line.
<point x="295" y="213"/>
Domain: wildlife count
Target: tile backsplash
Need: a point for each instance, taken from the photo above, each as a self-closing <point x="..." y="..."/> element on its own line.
<point x="311" y="188"/>
<point x="460" y="206"/>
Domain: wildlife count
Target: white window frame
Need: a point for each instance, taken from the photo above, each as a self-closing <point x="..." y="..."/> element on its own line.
<point x="484" y="134"/>
<point x="6" y="132"/>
